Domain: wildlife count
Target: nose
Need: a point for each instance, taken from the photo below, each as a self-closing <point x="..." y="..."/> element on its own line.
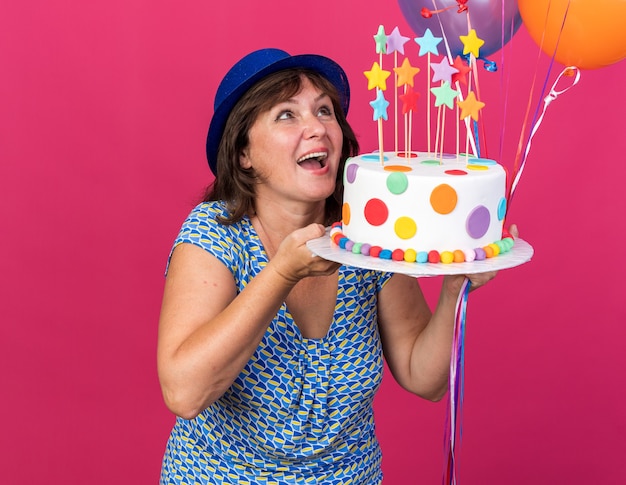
<point x="314" y="127"/>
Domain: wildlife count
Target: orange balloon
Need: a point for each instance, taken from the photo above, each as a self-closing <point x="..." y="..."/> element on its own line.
<point x="592" y="32"/>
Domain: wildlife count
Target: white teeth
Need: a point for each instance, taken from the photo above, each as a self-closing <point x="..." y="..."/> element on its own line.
<point x="319" y="155"/>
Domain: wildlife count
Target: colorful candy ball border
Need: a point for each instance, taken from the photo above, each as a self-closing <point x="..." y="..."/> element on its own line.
<point x="494" y="249"/>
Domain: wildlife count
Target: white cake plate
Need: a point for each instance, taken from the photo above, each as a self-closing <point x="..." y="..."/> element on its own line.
<point x="323" y="247"/>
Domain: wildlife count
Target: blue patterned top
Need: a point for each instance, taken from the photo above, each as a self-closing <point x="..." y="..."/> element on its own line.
<point x="301" y="411"/>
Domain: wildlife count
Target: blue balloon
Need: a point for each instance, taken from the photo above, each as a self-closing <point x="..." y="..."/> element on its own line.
<point x="490" y="19"/>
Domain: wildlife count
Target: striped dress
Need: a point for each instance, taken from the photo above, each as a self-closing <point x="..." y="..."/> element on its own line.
<point x="301" y="411"/>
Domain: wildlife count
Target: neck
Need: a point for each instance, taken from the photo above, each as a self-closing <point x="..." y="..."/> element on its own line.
<point x="274" y="222"/>
<point x="284" y="218"/>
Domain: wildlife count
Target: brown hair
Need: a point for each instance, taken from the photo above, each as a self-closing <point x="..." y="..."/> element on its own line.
<point x="235" y="184"/>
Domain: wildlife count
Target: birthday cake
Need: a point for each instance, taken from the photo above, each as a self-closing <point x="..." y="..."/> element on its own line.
<point x="424" y="207"/>
<point x="421" y="209"/>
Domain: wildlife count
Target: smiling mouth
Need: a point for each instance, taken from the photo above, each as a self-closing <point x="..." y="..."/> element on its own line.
<point x="313" y="161"/>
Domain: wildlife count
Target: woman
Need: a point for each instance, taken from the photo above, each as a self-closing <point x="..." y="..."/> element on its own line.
<point x="271" y="356"/>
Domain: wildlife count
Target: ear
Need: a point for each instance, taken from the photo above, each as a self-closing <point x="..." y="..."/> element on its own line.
<point x="244" y="159"/>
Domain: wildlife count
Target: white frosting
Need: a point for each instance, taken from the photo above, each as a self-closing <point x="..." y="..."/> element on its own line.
<point x="412" y="219"/>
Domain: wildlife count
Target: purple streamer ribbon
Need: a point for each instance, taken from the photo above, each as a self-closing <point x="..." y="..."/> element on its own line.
<point x="456" y="387"/>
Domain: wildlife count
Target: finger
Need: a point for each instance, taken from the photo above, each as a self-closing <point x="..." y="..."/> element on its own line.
<point x="480" y="279"/>
<point x="315" y="230"/>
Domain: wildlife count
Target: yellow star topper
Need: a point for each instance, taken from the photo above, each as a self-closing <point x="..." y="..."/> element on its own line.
<point x="406" y="72"/>
<point x="471" y="43"/>
<point x="377" y="77"/>
<point x="470" y="107"/>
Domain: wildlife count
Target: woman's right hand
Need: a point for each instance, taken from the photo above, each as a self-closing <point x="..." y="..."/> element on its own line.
<point x="295" y="261"/>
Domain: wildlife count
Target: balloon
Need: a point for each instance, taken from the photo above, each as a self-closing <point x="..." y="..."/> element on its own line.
<point x="486" y="18"/>
<point x="593" y="34"/>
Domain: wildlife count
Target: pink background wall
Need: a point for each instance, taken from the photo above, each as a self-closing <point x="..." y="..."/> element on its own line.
<point x="103" y="113"/>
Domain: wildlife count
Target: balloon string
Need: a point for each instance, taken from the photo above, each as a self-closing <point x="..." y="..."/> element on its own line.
<point x="475" y="131"/>
<point x="479" y="126"/>
<point x="456" y="386"/>
<point x="470" y="133"/>
<point x="458" y="86"/>
<point x="518" y="153"/>
<point x="502" y="90"/>
<point x="552" y="95"/>
<point x="551" y="65"/>
<point x="504" y="83"/>
<point x="525" y="119"/>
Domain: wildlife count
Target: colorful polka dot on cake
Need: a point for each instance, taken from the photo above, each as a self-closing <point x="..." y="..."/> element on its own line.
<point x="443" y="199"/>
<point x="376" y="212"/>
<point x="405" y="227"/>
<point x="397" y="182"/>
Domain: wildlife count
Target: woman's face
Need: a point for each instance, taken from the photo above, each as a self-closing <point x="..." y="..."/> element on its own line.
<point x="295" y="147"/>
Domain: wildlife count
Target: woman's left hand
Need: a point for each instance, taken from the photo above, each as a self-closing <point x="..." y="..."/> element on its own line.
<point x="452" y="284"/>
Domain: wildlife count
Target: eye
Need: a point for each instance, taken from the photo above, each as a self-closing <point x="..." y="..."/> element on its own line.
<point x="325" y="111"/>
<point x="284" y="115"/>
